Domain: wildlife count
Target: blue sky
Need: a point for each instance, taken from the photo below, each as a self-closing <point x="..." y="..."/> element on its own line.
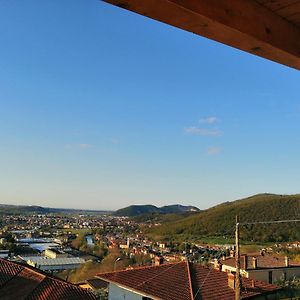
<point x="102" y="108"/>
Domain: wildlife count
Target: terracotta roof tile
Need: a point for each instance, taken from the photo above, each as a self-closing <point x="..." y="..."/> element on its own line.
<point x="168" y="281"/>
<point x="183" y="281"/>
<point x="53" y="289"/>
<point x="8" y="271"/>
<point x="27" y="279"/>
<point x="20" y="282"/>
<point x="212" y="284"/>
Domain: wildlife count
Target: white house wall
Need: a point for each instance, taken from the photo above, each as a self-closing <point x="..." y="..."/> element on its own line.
<point x="263" y="274"/>
<point x="277" y="274"/>
<point x="115" y="292"/>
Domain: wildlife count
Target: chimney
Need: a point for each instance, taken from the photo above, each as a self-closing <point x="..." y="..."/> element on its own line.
<point x="245" y="260"/>
<point x="254" y="262"/>
<point x="231" y="280"/>
<point x="286" y="261"/>
<point x="232" y="253"/>
<point x="217" y="265"/>
<point x="158" y="261"/>
<point x="252" y="283"/>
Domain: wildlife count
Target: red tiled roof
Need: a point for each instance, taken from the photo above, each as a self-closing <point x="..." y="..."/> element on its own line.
<point x="186" y="281"/>
<point x="97" y="283"/>
<point x="19" y="282"/>
<point x="265" y="261"/>
<point x="168" y="281"/>
<point x="212" y="284"/>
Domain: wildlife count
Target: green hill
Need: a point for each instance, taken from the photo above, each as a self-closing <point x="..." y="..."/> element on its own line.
<point x="177" y="208"/>
<point x="136" y="210"/>
<point x="220" y="220"/>
<point x="34" y="209"/>
<point x="23" y="209"/>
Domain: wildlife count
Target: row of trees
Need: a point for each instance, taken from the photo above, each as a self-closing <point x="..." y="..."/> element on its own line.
<point x="114" y="260"/>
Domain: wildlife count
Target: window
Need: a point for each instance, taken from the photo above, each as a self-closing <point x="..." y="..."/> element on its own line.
<point x="284" y="276"/>
<point x="270" y="277"/>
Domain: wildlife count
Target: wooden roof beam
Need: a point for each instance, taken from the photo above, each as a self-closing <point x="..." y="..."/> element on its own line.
<point x="243" y="24"/>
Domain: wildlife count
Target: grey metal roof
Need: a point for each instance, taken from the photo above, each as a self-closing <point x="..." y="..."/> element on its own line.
<point x="57" y="261"/>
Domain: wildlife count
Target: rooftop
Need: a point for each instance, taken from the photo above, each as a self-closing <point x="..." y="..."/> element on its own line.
<point x="97" y="283"/>
<point x="42" y="261"/>
<point x="21" y="282"/>
<point x="267" y="28"/>
<point x="265" y="261"/>
<point x="184" y="280"/>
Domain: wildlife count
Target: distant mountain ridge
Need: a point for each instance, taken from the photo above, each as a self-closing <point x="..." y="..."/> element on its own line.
<point x="35" y="209"/>
<point x="135" y="210"/>
<point x="220" y="220"/>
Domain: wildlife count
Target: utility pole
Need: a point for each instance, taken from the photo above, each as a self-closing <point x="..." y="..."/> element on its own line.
<point x="238" y="283"/>
<point x="237" y="260"/>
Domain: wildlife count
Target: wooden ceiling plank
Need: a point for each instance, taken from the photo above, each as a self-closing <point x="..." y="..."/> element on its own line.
<point x="289" y="10"/>
<point x="275" y="5"/>
<point x="295" y="18"/>
<point x="243" y="24"/>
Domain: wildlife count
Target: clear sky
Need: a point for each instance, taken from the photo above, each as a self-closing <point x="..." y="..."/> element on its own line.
<point x="102" y="108"/>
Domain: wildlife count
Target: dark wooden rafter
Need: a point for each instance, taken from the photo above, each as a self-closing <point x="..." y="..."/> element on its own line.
<point x="243" y="24"/>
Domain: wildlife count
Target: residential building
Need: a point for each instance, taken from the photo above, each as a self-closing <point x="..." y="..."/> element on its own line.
<point x="264" y="267"/>
<point x="55" y="264"/>
<point x="4" y="253"/>
<point x="20" y="282"/>
<point x="182" y="281"/>
<point x="55" y="253"/>
<point x="94" y="284"/>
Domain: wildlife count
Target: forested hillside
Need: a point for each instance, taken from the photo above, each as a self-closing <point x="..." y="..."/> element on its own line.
<point x="220" y="220"/>
<point x="136" y="210"/>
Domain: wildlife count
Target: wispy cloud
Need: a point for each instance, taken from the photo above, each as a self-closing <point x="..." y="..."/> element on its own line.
<point x="193" y="130"/>
<point x="214" y="150"/>
<point x="209" y="120"/>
